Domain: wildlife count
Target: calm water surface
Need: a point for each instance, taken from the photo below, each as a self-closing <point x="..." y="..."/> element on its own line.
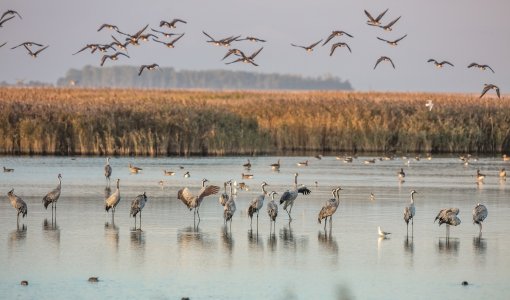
<point x="171" y="257"/>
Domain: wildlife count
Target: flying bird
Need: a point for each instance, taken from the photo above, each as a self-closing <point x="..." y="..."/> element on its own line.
<point x="118" y="44"/>
<point x="384" y="58"/>
<point x="112" y="57"/>
<point x="3" y="44"/>
<point x="150" y="68"/>
<point x="171" y="24"/>
<point x="171" y="43"/>
<point x="133" y="39"/>
<point x="388" y="27"/>
<point x="28" y="44"/>
<point x="92" y="47"/>
<point x="34" y="54"/>
<point x="252" y="39"/>
<point x="108" y="26"/>
<point x="223" y="42"/>
<point x="247" y="59"/>
<point x="440" y="64"/>
<point x="308" y="48"/>
<point x="165" y="34"/>
<point x="394" y="42"/>
<point x="336" y="33"/>
<point x="10" y="12"/>
<point x="2" y="21"/>
<point x="236" y="52"/>
<point x="481" y="67"/>
<point x="334" y="46"/>
<point x="488" y="87"/>
<point x="375" y="21"/>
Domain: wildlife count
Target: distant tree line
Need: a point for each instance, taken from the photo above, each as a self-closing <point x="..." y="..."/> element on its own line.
<point x="127" y="77"/>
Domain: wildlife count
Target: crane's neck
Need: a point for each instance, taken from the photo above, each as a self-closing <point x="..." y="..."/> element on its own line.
<point x="231" y="190"/>
<point x="295" y="180"/>
<point x="412" y="198"/>
<point x="264" y="189"/>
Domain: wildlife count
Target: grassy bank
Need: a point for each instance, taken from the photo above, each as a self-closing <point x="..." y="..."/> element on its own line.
<point x="156" y="122"/>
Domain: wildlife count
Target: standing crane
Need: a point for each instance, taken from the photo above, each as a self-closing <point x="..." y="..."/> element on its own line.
<point x="479" y="214"/>
<point x="52" y="197"/>
<point x="193" y="202"/>
<point x="107" y="170"/>
<point x="409" y="212"/>
<point x="230" y="207"/>
<point x="329" y="208"/>
<point x="112" y="201"/>
<point x="18" y="204"/>
<point x="257" y="203"/>
<point x="272" y="210"/>
<point x="449" y="217"/>
<point x="136" y="207"/>
<point x="288" y="197"/>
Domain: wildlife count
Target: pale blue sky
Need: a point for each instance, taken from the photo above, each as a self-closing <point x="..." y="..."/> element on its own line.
<point x="460" y="31"/>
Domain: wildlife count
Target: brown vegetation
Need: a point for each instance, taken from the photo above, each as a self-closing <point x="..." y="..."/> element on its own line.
<point x="156" y="122"/>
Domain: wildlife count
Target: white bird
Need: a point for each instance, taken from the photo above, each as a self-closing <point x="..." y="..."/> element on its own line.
<point x="288" y="197"/>
<point x="257" y="203"/>
<point x="449" y="217"/>
<point x="409" y="212"/>
<point x="329" y="208"/>
<point x="479" y="214"/>
<point x="429" y="104"/>
<point x="18" y="204"/>
<point x="113" y="200"/>
<point x="136" y="207"/>
<point x="382" y="234"/>
<point x="193" y="202"/>
<point x="230" y="207"/>
<point x="272" y="209"/>
<point x="52" y="197"/>
<point x="107" y="170"/>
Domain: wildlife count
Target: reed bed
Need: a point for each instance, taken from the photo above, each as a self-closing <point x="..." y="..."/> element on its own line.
<point x="173" y="122"/>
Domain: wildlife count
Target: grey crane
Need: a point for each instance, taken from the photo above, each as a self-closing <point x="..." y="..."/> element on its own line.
<point x="288" y="197"/>
<point x="257" y="203"/>
<point x="224" y="197"/>
<point x="107" y="170"/>
<point x="329" y="208"/>
<point x="409" y="212"/>
<point x="112" y="201"/>
<point x="272" y="209"/>
<point x="136" y="207"/>
<point x="52" y="197"/>
<point x="230" y="207"/>
<point x="18" y="204"/>
<point x="193" y="202"/>
<point x="479" y="214"/>
<point x="449" y="217"/>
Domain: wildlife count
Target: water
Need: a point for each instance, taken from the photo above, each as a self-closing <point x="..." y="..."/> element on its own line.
<point x="172" y="258"/>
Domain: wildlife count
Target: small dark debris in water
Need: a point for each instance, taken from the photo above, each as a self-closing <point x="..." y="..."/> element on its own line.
<point x="465" y="283"/>
<point x="185" y="298"/>
<point x="93" y="279"/>
<point x="24" y="282"/>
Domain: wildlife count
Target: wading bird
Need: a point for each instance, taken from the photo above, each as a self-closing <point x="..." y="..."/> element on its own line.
<point x="382" y="234"/>
<point x="224" y="197"/>
<point x="488" y="87"/>
<point x="337" y="45"/>
<point x="307" y="48"/>
<point x="288" y="197"/>
<point x="384" y="58"/>
<point x="401" y="175"/>
<point x="334" y="34"/>
<point x="409" y="212"/>
<point x="148" y="67"/>
<point x="440" y="64"/>
<point x="375" y="21"/>
<point x="272" y="210"/>
<point x="394" y="42"/>
<point x="479" y="214"/>
<point x="18" y="204"/>
<point x="52" y="197"/>
<point x="256" y="204"/>
<point x="112" y="201"/>
<point x="449" y="217"/>
<point x="136" y="207"/>
<point x="193" y="202"/>
<point x="107" y="170"/>
<point x="8" y="170"/>
<point x="329" y="208"/>
<point x="230" y="207"/>
<point x="481" y="67"/>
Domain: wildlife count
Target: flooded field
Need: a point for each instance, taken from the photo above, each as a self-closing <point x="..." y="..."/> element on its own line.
<point x="172" y="256"/>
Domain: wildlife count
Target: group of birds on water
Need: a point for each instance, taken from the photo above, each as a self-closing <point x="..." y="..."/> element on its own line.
<point x="120" y="43"/>
<point x="192" y="201"/>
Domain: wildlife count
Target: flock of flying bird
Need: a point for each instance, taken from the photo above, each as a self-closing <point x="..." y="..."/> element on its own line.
<point x="448" y="216"/>
<point x="121" y="43"/>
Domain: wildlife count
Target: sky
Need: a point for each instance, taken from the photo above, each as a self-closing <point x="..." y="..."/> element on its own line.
<point x="459" y="31"/>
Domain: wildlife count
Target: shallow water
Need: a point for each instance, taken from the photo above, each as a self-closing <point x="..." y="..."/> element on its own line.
<point x="171" y="257"/>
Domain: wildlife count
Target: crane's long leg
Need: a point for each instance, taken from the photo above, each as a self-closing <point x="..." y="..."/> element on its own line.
<point x="407" y="228"/>
<point x="140" y="219"/>
<point x="325" y="221"/>
<point x="480" y="223"/>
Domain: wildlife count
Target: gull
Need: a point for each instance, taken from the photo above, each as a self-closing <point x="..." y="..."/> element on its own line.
<point x="112" y="57"/>
<point x="387" y="27"/>
<point x="382" y="234"/>
<point x="384" y="58"/>
<point x="488" y="87"/>
<point x="336" y="33"/>
<point x="308" y="48"/>
<point x="334" y="46"/>
<point x="150" y="68"/>
<point x="481" y="67"/>
<point x="171" y="43"/>
<point x="377" y="21"/>
<point x="392" y="43"/>
<point x="171" y="24"/>
<point x="429" y="104"/>
<point x="440" y="64"/>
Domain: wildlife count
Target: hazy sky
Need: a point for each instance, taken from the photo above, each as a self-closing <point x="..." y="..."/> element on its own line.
<point x="460" y="31"/>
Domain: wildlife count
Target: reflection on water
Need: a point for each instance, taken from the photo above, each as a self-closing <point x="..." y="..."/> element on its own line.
<point x="111" y="234"/>
<point x="192" y="237"/>
<point x="328" y="243"/>
<point x="479" y="245"/>
<point x="409" y="245"/>
<point x="137" y="239"/>
<point x="51" y="231"/>
<point x="227" y="240"/>
<point x="272" y="242"/>
<point x="448" y="246"/>
<point x="17" y="237"/>
<point x="254" y="241"/>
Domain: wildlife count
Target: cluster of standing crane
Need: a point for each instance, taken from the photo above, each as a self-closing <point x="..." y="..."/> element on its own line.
<point x="448" y="216"/>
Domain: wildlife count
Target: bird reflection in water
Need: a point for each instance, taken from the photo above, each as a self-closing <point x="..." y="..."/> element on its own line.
<point x="289" y="239"/>
<point x="17" y="236"/>
<point x="226" y="237"/>
<point x="272" y="242"/>
<point x="51" y="230"/>
<point x="408" y="245"/>
<point x="137" y="239"/>
<point x="448" y="245"/>
<point x="111" y="234"/>
<point x="479" y="245"/>
<point x="192" y="237"/>
<point x="254" y="240"/>
<point x="327" y="241"/>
